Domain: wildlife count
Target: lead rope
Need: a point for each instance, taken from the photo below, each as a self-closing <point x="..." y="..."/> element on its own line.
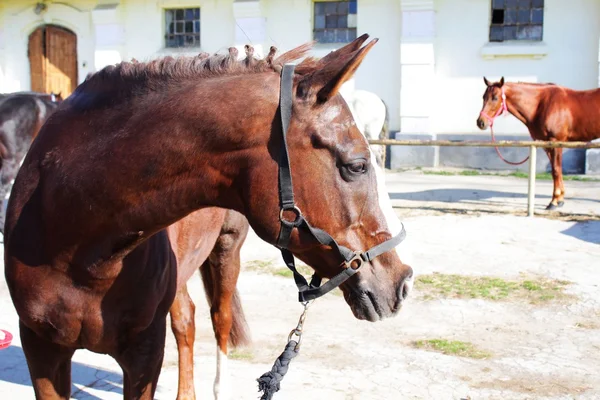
<point x="270" y="382"/>
<point x="503" y="108"/>
<point x="498" y="150"/>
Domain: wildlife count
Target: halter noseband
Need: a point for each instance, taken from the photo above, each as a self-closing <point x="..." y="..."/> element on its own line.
<point x="353" y="260"/>
<point x="503" y="107"/>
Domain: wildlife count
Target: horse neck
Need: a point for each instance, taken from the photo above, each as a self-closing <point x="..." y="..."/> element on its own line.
<point x="179" y="152"/>
<point x="522" y="100"/>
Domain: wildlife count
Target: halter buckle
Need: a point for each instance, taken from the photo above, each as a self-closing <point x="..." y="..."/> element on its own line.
<point x="298" y="215"/>
<point x="355" y="262"/>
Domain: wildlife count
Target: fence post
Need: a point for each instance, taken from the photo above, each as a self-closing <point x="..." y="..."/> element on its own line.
<point x="531" y="183"/>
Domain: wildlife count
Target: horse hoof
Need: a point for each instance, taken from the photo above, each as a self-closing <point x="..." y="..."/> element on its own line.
<point x="551" y="207"/>
<point x="561" y="203"/>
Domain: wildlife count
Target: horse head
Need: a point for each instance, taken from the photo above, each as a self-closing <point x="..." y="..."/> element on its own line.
<point x="494" y="103"/>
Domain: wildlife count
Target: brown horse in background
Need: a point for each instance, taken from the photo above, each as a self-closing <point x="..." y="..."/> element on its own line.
<point x="219" y="272"/>
<point x="550" y="112"/>
<point x="89" y="262"/>
<point x="22" y="114"/>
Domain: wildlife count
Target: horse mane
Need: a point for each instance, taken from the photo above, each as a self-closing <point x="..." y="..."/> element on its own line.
<point x="537" y="83"/>
<point x="136" y="77"/>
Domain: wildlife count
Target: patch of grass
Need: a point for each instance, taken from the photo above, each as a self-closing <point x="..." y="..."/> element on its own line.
<point x="452" y="348"/>
<point x="277" y="268"/>
<point x="445" y="173"/>
<point x="544" y="176"/>
<point x="239" y="354"/>
<point x="547" y="176"/>
<point x="587" y="325"/>
<point x="535" y="290"/>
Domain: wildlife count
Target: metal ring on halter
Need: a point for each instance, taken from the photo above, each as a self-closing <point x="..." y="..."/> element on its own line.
<point x="358" y="257"/>
<point x="297" y="221"/>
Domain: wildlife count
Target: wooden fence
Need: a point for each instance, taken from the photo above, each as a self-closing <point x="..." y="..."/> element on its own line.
<point x="502" y="143"/>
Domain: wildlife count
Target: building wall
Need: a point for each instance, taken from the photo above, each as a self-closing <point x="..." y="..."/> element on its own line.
<point x="431" y="81"/>
<point x="18" y="21"/>
<point x="568" y="56"/>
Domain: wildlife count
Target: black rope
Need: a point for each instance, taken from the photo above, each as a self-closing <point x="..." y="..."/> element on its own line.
<point x="269" y="382"/>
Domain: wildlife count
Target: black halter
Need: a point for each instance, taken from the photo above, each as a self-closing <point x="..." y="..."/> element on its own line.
<point x="353" y="260"/>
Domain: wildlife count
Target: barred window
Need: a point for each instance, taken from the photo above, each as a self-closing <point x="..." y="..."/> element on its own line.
<point x="182" y="27"/>
<point x="335" y="21"/>
<point x="517" y="20"/>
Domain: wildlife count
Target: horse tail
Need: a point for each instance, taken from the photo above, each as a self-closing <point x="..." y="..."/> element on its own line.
<point x="240" y="332"/>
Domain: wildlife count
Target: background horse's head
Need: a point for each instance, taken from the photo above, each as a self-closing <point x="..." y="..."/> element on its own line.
<point x="334" y="184"/>
<point x="494" y="102"/>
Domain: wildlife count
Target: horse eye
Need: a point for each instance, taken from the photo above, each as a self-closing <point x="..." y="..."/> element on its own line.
<point x="357" y="167"/>
<point x="495" y="98"/>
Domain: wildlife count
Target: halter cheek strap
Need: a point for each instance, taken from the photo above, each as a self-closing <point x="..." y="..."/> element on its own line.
<point x="352" y="261"/>
<point x="501" y="110"/>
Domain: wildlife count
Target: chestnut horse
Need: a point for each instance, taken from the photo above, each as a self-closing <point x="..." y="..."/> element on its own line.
<point x="22" y="114"/>
<point x="550" y="112"/>
<point x="219" y="272"/>
<point x="88" y="261"/>
<point x="219" y="276"/>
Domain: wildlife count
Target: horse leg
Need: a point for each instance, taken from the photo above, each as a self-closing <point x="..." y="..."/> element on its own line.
<point x="224" y="276"/>
<point x="556" y="188"/>
<point x="141" y="360"/>
<point x="183" y="326"/>
<point x="219" y="275"/>
<point x="561" y="183"/>
<point x="49" y="365"/>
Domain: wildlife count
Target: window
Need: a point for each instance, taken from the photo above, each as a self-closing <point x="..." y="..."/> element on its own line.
<point x="335" y="21"/>
<point x="182" y="27"/>
<point x="517" y="20"/>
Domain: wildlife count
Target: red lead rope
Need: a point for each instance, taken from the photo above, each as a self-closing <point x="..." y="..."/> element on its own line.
<point x="500" y="155"/>
<point x="501" y="110"/>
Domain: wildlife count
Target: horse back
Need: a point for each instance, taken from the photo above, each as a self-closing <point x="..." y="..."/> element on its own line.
<point x="570" y="115"/>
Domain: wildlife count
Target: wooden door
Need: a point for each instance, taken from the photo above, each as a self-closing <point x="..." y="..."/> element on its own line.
<point x="53" y="60"/>
<point x="37" y="61"/>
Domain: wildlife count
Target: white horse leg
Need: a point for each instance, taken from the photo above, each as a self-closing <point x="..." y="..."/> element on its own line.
<point x="222" y="388"/>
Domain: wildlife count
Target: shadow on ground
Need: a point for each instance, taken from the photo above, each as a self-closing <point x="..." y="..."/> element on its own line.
<point x="13" y="369"/>
<point x="587" y="231"/>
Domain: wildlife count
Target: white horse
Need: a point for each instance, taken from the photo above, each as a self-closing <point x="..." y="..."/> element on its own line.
<point x="371" y="116"/>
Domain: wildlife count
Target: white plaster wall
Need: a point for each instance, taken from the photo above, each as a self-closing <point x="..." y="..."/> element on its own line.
<point x="571" y="34"/>
<point x="289" y="24"/>
<point x="19" y="21"/>
<point x="145" y="27"/>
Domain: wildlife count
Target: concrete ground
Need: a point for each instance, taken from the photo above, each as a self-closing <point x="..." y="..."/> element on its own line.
<point x="468" y="225"/>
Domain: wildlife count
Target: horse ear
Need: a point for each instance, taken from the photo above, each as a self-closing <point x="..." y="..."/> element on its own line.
<point x="343" y="51"/>
<point x="487" y="83"/>
<point x="327" y="80"/>
<point x="502" y="82"/>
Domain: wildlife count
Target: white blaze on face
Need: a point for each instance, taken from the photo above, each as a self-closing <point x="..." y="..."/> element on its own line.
<point x="385" y="204"/>
<point x="222" y="388"/>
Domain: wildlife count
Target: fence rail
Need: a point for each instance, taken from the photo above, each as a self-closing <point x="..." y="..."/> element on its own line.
<point x="500" y="143"/>
<point x="532" y="144"/>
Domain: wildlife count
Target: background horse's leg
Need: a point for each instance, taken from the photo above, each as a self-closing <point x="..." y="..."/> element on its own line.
<point x="553" y="154"/>
<point x="184" y="328"/>
<point x="141" y="360"/>
<point x="561" y="183"/>
<point x="49" y="366"/>
<point x="219" y="275"/>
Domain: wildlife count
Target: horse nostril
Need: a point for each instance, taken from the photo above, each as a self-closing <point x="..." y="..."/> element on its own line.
<point x="405" y="288"/>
